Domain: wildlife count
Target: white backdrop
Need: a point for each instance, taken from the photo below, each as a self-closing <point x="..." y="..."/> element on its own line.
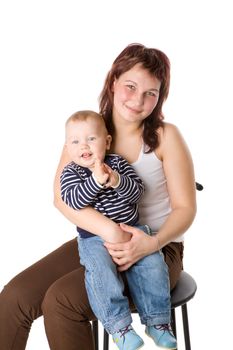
<point x="53" y="61"/>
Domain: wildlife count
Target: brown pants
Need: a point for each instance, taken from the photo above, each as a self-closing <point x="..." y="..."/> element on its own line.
<point x="54" y="287"/>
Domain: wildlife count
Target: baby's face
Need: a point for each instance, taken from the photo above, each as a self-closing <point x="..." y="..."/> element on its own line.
<point x="87" y="141"/>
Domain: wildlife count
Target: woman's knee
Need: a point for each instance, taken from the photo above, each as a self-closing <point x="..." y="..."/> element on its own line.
<point x="53" y="299"/>
<point x="67" y="298"/>
<point x="66" y="315"/>
<point x="19" y="302"/>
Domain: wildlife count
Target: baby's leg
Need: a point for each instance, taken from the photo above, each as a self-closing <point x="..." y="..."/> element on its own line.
<point x="148" y="281"/>
<point x="104" y="285"/>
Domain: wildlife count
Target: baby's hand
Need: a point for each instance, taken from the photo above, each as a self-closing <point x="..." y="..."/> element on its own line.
<point x="113" y="177"/>
<point x="100" y="173"/>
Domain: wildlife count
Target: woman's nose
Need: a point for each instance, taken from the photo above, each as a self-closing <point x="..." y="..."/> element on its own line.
<point x="138" y="99"/>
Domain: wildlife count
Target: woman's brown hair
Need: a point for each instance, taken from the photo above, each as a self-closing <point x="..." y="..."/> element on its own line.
<point x="158" y="64"/>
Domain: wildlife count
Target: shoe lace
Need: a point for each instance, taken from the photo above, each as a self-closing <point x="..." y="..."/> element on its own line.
<point x="125" y="330"/>
<point x="163" y="327"/>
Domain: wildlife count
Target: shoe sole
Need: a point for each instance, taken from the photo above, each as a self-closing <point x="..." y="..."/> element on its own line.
<point x="162" y="347"/>
<point x="140" y="346"/>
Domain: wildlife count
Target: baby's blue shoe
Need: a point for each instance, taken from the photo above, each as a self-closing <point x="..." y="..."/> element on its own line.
<point x="127" y="339"/>
<point x="162" y="336"/>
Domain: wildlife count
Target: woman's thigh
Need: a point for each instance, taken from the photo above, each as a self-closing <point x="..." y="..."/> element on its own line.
<point x="21" y="298"/>
<point x="173" y="256"/>
<point x="68" y="293"/>
<point x="29" y="287"/>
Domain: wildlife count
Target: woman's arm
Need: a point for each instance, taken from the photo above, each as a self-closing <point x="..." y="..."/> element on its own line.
<point x="88" y="218"/>
<point x="179" y="172"/>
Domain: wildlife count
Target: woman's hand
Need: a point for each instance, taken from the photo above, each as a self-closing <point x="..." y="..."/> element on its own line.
<point x="126" y="254"/>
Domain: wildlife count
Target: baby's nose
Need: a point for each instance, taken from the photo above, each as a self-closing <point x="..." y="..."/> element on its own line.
<point x="84" y="145"/>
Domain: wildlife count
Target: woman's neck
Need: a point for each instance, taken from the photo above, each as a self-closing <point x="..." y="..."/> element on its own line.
<point x="124" y="127"/>
<point x="127" y="141"/>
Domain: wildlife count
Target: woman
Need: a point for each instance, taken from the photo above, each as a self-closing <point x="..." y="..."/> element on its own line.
<point x="131" y="103"/>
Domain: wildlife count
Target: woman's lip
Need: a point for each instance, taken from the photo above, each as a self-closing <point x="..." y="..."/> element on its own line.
<point x="133" y="110"/>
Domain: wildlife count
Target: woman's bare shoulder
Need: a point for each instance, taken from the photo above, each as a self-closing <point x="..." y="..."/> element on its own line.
<point x="169" y="137"/>
<point x="170" y="140"/>
<point x="168" y="129"/>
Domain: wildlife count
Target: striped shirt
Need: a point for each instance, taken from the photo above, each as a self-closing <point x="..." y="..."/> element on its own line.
<point x="79" y="189"/>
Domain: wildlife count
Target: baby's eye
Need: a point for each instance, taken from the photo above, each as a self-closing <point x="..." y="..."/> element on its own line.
<point x="75" y="142"/>
<point x="91" y="138"/>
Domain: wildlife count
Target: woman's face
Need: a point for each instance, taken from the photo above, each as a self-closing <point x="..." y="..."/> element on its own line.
<point x="136" y="93"/>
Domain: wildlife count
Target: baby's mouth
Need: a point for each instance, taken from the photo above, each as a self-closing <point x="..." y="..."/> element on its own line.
<point x="86" y="155"/>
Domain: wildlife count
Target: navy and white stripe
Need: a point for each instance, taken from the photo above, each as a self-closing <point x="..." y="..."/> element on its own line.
<point x="79" y="189"/>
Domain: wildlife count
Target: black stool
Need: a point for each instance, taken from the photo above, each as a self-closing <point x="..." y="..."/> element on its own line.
<point x="184" y="291"/>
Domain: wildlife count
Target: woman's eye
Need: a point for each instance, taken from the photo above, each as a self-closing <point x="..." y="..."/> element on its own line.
<point x="131" y="87"/>
<point x="151" y="93"/>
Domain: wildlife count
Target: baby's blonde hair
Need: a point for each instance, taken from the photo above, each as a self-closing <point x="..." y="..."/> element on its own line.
<point x="85" y="115"/>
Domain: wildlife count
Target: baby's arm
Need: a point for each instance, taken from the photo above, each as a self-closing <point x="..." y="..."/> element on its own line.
<point x="88" y="218"/>
<point x="76" y="192"/>
<point x="129" y="186"/>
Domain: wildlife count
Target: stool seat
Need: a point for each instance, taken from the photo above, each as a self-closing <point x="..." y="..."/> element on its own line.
<point x="184" y="290"/>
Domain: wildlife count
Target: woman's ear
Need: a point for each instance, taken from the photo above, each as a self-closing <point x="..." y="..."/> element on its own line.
<point x="108" y="141"/>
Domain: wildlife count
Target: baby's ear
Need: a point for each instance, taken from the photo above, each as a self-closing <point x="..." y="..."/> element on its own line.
<point x="108" y="141"/>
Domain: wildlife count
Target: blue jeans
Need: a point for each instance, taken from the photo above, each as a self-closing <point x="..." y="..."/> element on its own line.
<point x="148" y="282"/>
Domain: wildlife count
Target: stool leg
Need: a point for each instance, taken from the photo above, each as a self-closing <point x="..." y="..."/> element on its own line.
<point x="95" y="330"/>
<point x="186" y="327"/>
<point x="106" y="340"/>
<point x="173" y="321"/>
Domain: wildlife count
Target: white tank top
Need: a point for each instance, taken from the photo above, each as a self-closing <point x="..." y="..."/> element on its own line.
<point x="154" y="206"/>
